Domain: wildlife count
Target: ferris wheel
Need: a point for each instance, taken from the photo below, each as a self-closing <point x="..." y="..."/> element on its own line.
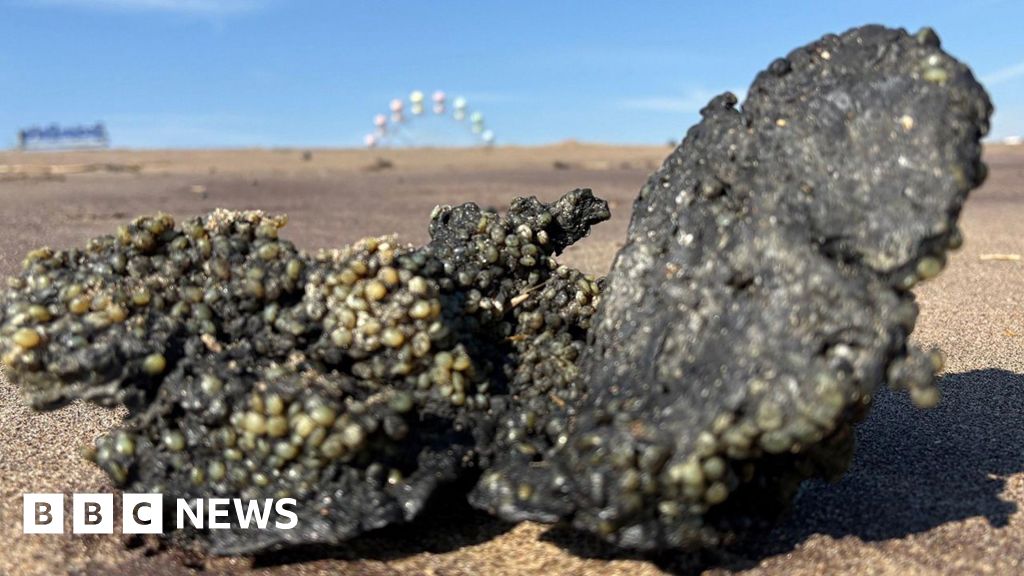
<point x="409" y="123"/>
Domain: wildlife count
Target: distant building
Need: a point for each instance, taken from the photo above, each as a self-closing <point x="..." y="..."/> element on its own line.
<point x="55" y="137"/>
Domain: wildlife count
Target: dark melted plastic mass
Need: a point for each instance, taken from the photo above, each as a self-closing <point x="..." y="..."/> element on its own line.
<point x="760" y="300"/>
<point x="762" y="296"/>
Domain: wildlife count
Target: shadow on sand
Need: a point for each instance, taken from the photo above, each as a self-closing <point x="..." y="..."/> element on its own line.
<point x="913" y="470"/>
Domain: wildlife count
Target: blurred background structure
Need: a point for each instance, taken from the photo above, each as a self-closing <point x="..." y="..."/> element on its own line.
<point x="437" y="123"/>
<point x="54" y="137"/>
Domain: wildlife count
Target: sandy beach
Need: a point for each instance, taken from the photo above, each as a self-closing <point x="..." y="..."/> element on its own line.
<point x="930" y="492"/>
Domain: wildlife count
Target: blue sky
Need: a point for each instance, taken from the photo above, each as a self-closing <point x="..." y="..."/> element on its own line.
<point x="237" y="73"/>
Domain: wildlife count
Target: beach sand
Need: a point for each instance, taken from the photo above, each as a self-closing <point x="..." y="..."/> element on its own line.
<point x="930" y="492"/>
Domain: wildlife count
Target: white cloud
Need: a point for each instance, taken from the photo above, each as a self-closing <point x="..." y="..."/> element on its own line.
<point x="211" y="7"/>
<point x="690" y="102"/>
<point x="1004" y="74"/>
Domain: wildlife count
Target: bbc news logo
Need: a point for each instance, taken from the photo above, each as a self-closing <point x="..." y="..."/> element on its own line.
<point x="144" y="513"/>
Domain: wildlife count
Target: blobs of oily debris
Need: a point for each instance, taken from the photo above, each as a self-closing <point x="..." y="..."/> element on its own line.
<point x="355" y="380"/>
<point x="762" y="297"/>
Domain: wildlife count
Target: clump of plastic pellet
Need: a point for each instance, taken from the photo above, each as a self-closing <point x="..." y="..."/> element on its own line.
<point x="253" y="370"/>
